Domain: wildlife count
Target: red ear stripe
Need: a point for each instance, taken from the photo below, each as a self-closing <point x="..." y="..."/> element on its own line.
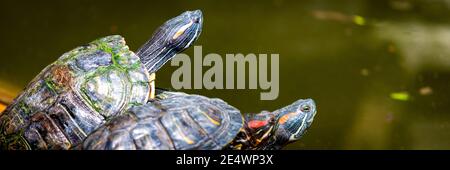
<point x="254" y="124"/>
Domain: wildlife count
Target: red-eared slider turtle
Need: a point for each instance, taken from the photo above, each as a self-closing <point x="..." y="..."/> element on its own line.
<point x="176" y="120"/>
<point x="91" y="84"/>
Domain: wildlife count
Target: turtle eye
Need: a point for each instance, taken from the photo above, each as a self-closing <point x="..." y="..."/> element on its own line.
<point x="306" y="108"/>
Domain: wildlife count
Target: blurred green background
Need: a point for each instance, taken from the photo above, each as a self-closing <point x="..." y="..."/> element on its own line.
<point x="378" y="70"/>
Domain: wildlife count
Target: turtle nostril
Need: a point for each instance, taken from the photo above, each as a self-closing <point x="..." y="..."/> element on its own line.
<point x="196" y="16"/>
<point x="196" y="20"/>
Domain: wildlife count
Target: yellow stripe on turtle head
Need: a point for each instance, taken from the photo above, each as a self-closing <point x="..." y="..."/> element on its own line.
<point x="182" y="30"/>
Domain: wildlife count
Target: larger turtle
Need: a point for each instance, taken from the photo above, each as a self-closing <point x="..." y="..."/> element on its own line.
<point x="91" y="84"/>
<point x="181" y="121"/>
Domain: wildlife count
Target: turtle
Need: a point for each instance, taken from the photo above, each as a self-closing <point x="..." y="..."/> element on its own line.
<point x="180" y="121"/>
<point x="91" y="84"/>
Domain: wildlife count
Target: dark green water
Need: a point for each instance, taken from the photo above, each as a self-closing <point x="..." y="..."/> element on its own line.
<point x="351" y="56"/>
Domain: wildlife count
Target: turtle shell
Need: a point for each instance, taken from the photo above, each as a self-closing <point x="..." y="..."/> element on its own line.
<point x="174" y="121"/>
<point x="75" y="95"/>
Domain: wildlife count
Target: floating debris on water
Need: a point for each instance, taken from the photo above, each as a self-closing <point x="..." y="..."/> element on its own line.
<point x="401" y="5"/>
<point x="391" y="48"/>
<point x="425" y="91"/>
<point x="359" y="20"/>
<point x="389" y="117"/>
<point x="339" y="17"/>
<point x="330" y="15"/>
<point x="402" y="96"/>
<point x="365" y="72"/>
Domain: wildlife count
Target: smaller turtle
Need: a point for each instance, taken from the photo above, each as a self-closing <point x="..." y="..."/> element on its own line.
<point x="181" y="121"/>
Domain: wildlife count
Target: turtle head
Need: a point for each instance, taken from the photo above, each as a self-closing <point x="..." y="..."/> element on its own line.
<point x="171" y="38"/>
<point x="292" y="122"/>
<point x="273" y="130"/>
<point x="180" y="32"/>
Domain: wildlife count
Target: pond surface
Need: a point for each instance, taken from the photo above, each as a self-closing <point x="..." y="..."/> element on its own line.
<point x="379" y="71"/>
